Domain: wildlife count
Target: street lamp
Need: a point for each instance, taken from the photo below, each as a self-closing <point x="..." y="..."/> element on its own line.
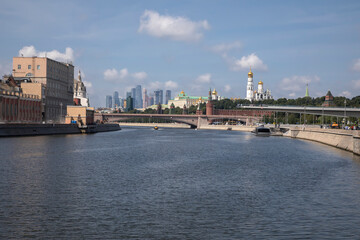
<point x="345" y="110"/>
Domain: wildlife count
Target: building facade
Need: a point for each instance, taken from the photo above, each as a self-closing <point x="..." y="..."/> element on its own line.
<point x="19" y="107"/>
<point x="145" y="98"/>
<point x="80" y="97"/>
<point x="157" y="97"/>
<point x="161" y="96"/>
<point x="138" y="97"/>
<point x="116" y="99"/>
<point x="56" y="77"/>
<point x="259" y="94"/>
<point x="184" y="100"/>
<point x="109" y="101"/>
<point x="167" y="96"/>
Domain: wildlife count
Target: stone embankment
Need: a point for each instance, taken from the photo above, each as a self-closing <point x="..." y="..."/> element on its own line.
<point x="228" y="127"/>
<point x="344" y="139"/>
<point x="13" y="130"/>
<point x="160" y="125"/>
<point x="180" y="125"/>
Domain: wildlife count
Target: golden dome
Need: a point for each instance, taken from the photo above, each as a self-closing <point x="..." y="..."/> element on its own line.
<point x="250" y="74"/>
<point x="260" y="83"/>
<point x="214" y="92"/>
<point x="182" y="92"/>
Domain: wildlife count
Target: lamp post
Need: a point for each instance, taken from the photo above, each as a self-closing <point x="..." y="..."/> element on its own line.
<point x="322" y="119"/>
<point x="345" y="110"/>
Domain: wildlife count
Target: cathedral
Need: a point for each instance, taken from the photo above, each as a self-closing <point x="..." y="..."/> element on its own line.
<point x="80" y="92"/>
<point x="259" y="94"/>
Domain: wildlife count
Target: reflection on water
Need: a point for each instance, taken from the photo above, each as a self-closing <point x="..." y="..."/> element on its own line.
<point x="174" y="184"/>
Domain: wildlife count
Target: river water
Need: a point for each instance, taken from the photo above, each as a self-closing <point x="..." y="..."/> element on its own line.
<point x="139" y="183"/>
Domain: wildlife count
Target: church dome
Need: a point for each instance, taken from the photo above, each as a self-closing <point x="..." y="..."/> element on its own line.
<point x="260" y="83"/>
<point x="250" y="74"/>
<point x="214" y="92"/>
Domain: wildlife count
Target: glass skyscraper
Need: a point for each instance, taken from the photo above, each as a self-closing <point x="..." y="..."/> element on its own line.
<point x="161" y="96"/>
<point x="157" y="97"/>
<point x="116" y="99"/>
<point x="167" y="96"/>
<point x="109" y="101"/>
<point x="138" y="97"/>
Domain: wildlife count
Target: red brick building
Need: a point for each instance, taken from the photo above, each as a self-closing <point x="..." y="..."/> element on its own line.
<point x="18" y="107"/>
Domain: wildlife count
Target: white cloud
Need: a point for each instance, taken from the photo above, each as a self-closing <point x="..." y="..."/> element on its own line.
<point x="122" y="75"/>
<point x="176" y="28"/>
<point x="225" y="47"/>
<point x="297" y="83"/>
<point x="140" y="75"/>
<point x="227" y="88"/>
<point x="171" y="85"/>
<point x="292" y="94"/>
<point x="356" y="66"/>
<point x="155" y="85"/>
<point x="356" y="84"/>
<point x="345" y="94"/>
<point x="30" y="51"/>
<point x="111" y="74"/>
<point x="245" y="62"/>
<point x="205" y="78"/>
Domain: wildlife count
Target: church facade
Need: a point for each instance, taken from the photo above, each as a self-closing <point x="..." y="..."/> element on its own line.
<point x="259" y="94"/>
<point x="80" y="92"/>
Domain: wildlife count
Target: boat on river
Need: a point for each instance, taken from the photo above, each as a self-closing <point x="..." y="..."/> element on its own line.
<point x="262" y="131"/>
<point x="156" y="128"/>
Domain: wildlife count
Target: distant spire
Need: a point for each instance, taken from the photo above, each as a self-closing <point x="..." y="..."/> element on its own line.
<point x="307" y="90"/>
<point x="79" y="75"/>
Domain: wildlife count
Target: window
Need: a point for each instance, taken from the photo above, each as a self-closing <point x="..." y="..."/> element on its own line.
<point x="19" y="66"/>
<point x="38" y="67"/>
<point x="29" y="66"/>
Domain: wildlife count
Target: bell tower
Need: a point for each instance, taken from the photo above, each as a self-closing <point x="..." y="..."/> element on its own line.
<point x="250" y="87"/>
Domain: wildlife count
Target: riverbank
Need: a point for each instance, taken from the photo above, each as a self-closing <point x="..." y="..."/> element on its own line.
<point x="348" y="140"/>
<point x="14" y="130"/>
<point x="160" y="125"/>
<point x="180" y="125"/>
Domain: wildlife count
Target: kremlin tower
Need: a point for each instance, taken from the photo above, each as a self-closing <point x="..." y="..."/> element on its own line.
<point x="250" y="87"/>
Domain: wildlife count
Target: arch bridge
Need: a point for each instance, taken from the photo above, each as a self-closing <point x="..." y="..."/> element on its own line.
<point x="193" y="120"/>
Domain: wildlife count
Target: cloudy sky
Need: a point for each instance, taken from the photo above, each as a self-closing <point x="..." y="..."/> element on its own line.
<point x="192" y="45"/>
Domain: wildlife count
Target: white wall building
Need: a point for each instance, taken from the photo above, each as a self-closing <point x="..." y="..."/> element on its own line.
<point x="259" y="94"/>
<point x="80" y="91"/>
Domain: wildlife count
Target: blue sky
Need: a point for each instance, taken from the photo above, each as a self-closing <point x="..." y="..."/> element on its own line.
<point x="192" y="45"/>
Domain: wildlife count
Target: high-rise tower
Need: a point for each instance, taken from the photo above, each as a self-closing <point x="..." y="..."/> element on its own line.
<point x="250" y="87"/>
<point x="307" y="91"/>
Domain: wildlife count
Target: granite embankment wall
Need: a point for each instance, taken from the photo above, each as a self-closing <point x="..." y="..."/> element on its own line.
<point x="228" y="127"/>
<point x="12" y="130"/>
<point x="179" y="125"/>
<point x="344" y="139"/>
<point x="160" y="125"/>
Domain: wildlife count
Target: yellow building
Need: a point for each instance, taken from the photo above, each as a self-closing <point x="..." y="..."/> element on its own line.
<point x="81" y="114"/>
<point x="183" y="99"/>
<point x="56" y="77"/>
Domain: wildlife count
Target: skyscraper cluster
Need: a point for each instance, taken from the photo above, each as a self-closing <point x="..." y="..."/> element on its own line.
<point x="139" y="98"/>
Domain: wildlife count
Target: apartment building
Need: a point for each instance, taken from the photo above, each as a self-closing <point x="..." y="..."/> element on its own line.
<point x="57" y="79"/>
